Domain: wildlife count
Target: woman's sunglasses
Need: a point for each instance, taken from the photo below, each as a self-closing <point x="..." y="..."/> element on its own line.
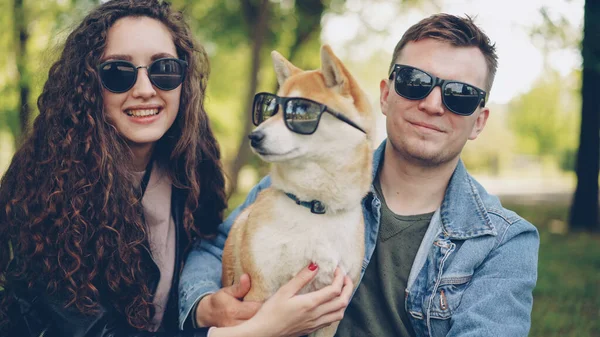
<point x="301" y="115"/>
<point x="119" y="76"/>
<point x="459" y="97"/>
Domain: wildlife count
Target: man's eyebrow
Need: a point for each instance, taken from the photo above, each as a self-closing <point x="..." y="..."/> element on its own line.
<point x="161" y="55"/>
<point x="117" y="57"/>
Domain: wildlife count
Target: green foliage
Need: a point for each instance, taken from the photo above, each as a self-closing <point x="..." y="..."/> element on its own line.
<point x="545" y="119"/>
<point x="47" y="24"/>
<point x="292" y="27"/>
<point x="555" y="32"/>
<point x="8" y="107"/>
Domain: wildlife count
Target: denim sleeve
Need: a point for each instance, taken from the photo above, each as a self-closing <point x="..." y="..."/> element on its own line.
<point x="201" y="274"/>
<point x="499" y="299"/>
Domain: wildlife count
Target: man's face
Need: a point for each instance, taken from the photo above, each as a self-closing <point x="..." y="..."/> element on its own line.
<point x="425" y="131"/>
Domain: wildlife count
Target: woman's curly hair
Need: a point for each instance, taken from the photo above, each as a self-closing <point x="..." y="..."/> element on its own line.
<point x="68" y="202"/>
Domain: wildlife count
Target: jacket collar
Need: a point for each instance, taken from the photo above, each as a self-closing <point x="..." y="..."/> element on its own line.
<point x="463" y="212"/>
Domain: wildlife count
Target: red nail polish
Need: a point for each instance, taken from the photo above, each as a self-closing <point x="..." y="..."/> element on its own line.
<point x="312" y="266"/>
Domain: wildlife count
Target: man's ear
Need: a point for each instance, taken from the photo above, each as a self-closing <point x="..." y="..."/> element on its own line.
<point x="384" y="92"/>
<point x="283" y="67"/>
<point x="480" y="123"/>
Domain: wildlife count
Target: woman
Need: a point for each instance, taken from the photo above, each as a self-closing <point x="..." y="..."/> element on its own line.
<point x="119" y="175"/>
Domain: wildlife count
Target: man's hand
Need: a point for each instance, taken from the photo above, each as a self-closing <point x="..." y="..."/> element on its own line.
<point x="225" y="307"/>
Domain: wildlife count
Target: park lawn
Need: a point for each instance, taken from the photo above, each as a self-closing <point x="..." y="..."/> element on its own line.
<point x="567" y="296"/>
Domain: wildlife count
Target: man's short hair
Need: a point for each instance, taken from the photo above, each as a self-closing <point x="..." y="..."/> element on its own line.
<point x="457" y="31"/>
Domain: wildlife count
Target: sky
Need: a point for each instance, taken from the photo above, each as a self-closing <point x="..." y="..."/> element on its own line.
<point x="506" y="22"/>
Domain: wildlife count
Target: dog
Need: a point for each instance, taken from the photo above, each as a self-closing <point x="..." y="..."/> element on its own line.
<point x="312" y="212"/>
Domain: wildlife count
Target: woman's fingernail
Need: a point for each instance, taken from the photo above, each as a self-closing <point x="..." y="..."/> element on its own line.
<point x="312" y="266"/>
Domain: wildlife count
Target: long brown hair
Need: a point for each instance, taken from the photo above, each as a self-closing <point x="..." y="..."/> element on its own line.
<point x="68" y="202"/>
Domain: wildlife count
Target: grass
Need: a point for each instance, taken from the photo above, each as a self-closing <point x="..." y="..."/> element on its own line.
<point x="567" y="295"/>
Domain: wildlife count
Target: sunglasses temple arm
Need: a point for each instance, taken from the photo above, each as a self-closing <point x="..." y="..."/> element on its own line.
<point x="345" y="119"/>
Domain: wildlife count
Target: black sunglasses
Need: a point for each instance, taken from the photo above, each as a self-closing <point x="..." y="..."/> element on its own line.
<point x="301" y="115"/>
<point x="459" y="97"/>
<point x="119" y="76"/>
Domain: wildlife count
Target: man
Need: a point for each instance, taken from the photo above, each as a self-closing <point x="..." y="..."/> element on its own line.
<point x="444" y="257"/>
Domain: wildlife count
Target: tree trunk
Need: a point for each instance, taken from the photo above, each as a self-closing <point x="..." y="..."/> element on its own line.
<point x="259" y="29"/>
<point x="309" y="13"/>
<point x="20" y="27"/>
<point x="584" y="211"/>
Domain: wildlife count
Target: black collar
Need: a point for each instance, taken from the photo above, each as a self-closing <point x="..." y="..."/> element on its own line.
<point x="315" y="206"/>
<point x="145" y="178"/>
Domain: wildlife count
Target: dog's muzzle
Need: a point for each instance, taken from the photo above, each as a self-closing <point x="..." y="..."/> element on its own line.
<point x="256" y="139"/>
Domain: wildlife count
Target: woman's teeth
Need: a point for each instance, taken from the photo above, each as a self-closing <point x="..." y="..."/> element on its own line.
<point x="142" y="112"/>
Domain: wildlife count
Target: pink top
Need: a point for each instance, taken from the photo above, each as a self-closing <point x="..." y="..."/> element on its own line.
<point x="157" y="213"/>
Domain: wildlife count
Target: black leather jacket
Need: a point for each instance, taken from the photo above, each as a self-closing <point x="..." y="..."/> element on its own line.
<point x="38" y="315"/>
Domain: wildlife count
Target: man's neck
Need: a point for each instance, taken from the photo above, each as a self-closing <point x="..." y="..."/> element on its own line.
<point x="410" y="188"/>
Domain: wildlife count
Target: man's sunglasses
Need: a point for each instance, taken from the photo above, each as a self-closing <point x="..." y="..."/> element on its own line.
<point x="459" y="97"/>
<point x="119" y="76"/>
<point x="301" y="115"/>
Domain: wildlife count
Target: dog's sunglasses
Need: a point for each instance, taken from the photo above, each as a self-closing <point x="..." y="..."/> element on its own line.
<point x="301" y="115"/>
<point x="119" y="76"/>
<point x="459" y="97"/>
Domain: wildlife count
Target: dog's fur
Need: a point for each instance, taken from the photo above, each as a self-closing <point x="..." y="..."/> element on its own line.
<point x="275" y="238"/>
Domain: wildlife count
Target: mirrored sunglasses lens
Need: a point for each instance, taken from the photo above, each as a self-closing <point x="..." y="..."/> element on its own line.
<point x="302" y="115"/>
<point x="265" y="106"/>
<point x="166" y="74"/>
<point x="461" y="98"/>
<point x="412" y="83"/>
<point x="117" y="76"/>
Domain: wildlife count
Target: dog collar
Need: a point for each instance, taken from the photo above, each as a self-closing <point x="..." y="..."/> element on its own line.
<point x="315" y="206"/>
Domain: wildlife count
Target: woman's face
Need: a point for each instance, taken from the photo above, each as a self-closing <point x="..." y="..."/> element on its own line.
<point x="144" y="113"/>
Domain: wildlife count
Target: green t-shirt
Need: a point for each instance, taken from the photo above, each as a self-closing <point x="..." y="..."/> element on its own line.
<point x="377" y="308"/>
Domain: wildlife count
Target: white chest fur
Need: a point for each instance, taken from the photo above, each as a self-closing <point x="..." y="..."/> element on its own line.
<point x="296" y="237"/>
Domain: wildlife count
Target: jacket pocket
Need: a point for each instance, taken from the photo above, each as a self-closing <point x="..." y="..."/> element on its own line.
<point x="448" y="296"/>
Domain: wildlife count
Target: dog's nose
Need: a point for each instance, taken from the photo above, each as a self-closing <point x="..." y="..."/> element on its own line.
<point x="256" y="138"/>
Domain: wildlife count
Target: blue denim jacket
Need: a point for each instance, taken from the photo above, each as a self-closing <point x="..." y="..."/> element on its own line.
<point x="473" y="274"/>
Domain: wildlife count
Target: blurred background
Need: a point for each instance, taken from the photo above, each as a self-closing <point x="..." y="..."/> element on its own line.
<point x="539" y="152"/>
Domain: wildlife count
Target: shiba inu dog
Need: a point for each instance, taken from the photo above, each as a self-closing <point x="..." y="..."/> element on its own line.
<point x="316" y="133"/>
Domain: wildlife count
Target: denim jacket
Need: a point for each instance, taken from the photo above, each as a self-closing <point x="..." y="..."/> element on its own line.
<point x="473" y="274"/>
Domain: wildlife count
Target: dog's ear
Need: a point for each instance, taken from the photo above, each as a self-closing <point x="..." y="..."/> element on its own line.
<point x="283" y="67"/>
<point x="333" y="70"/>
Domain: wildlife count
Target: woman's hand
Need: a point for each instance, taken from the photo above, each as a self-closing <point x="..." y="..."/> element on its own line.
<point x="288" y="314"/>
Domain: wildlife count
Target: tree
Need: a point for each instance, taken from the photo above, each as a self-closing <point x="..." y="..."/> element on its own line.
<point x="291" y="26"/>
<point x="26" y="54"/>
<point x="542" y="118"/>
<point x="22" y="36"/>
<point x="256" y="19"/>
<point x="253" y="28"/>
<point x="584" y="211"/>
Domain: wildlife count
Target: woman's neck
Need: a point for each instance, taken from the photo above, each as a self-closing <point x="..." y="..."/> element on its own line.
<point x="141" y="155"/>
